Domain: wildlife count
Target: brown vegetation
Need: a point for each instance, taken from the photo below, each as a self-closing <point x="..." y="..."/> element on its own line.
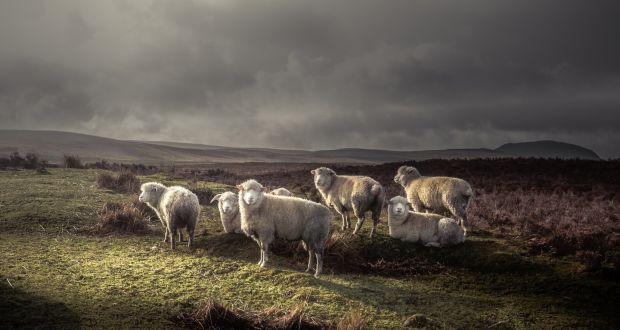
<point x="213" y="315"/>
<point x="117" y="218"/>
<point x="123" y="181"/>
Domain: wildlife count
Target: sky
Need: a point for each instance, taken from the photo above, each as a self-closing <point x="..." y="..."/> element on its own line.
<point x="316" y="74"/>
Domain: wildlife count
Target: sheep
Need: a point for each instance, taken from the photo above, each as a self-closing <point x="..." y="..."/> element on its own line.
<point x="265" y="217"/>
<point x="281" y="192"/>
<point x="350" y="193"/>
<point x="430" y="229"/>
<point x="175" y="206"/>
<point x="228" y="205"/>
<point x="439" y="194"/>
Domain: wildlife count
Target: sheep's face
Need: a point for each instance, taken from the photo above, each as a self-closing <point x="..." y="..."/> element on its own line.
<point x="323" y="177"/>
<point x="251" y="192"/>
<point x="150" y="192"/>
<point x="406" y="173"/>
<point x="227" y="202"/>
<point x="398" y="206"/>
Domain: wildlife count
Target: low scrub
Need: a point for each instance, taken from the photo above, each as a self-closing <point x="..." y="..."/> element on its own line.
<point x="125" y="181"/>
<point x="72" y="161"/>
<point x="213" y="315"/>
<point x="119" y="218"/>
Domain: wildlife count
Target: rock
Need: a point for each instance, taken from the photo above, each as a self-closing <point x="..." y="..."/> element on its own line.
<point x="416" y="321"/>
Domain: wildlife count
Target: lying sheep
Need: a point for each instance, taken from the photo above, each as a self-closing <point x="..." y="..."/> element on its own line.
<point x="175" y="206"/>
<point x="350" y="193"/>
<point x="281" y="192"/>
<point x="265" y="217"/>
<point x="229" y="211"/>
<point x="439" y="194"/>
<point x="427" y="228"/>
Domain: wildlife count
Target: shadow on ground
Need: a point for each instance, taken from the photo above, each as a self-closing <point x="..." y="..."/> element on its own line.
<point x="22" y="310"/>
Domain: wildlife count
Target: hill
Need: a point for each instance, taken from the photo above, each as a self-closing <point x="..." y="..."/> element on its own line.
<point x="52" y="145"/>
<point x="548" y="149"/>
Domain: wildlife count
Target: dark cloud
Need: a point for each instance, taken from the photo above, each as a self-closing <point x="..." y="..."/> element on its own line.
<point x="315" y="74"/>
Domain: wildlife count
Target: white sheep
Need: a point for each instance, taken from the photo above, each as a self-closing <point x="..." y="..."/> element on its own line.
<point x="228" y="205"/>
<point x="350" y="193"/>
<point x="265" y="217"/>
<point x="436" y="193"/>
<point x="281" y="192"/>
<point x="427" y="228"/>
<point x="176" y="207"/>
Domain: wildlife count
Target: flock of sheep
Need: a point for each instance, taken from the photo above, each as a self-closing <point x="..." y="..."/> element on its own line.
<point x="264" y="215"/>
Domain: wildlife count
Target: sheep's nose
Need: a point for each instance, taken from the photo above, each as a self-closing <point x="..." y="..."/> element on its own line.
<point x="226" y="208"/>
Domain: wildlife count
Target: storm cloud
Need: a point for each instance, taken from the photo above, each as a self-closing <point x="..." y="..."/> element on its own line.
<point x="316" y="74"/>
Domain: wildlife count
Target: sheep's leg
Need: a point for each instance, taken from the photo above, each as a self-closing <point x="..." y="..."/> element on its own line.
<point x="265" y="254"/>
<point x="319" y="263"/>
<point x="310" y="260"/>
<point x="343" y="215"/>
<point x="262" y="254"/>
<point x="173" y="232"/>
<point x="180" y="235"/>
<point x="360" y="220"/>
<point x="348" y="220"/>
<point x="190" y="240"/>
<point x="165" y="234"/>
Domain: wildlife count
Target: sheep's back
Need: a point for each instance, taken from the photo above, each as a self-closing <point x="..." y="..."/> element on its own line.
<point x="290" y="215"/>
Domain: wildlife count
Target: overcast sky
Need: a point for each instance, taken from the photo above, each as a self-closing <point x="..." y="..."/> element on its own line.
<point x="316" y="74"/>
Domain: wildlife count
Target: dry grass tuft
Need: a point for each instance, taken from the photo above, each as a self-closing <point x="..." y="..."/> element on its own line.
<point x="117" y="218"/>
<point x="123" y="181"/>
<point x="213" y="315"/>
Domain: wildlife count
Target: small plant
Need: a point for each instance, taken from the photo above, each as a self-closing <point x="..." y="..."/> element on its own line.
<point x="72" y="161"/>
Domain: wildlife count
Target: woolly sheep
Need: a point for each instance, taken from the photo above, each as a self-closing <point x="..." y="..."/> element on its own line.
<point x="228" y="205"/>
<point x="265" y="217"/>
<point x="281" y="192"/>
<point x="175" y="206"/>
<point x="350" y="193"/>
<point x="439" y="194"/>
<point x="427" y="228"/>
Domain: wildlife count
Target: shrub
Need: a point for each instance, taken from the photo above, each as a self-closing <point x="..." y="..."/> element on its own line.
<point x="72" y="161"/>
<point x="213" y="315"/>
<point x="125" y="181"/>
<point x="204" y="194"/>
<point x="117" y="218"/>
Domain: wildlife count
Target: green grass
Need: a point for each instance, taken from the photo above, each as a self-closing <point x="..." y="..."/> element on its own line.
<point x="52" y="277"/>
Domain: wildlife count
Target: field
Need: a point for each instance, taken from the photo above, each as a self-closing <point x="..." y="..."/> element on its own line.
<point x="543" y="254"/>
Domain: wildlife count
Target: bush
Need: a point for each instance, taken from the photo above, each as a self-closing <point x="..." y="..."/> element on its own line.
<point x="117" y="218"/>
<point x="125" y="181"/>
<point x="204" y="194"/>
<point x="213" y="315"/>
<point x="72" y="161"/>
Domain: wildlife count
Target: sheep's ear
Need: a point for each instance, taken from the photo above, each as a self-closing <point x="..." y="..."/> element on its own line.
<point x="265" y="189"/>
<point x="240" y="187"/>
<point x="313" y="172"/>
<point x="216" y="198"/>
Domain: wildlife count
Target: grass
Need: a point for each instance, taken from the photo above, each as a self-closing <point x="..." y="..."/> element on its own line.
<point x="51" y="277"/>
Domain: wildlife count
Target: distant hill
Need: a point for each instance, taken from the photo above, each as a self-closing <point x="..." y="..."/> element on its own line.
<point x="52" y="145"/>
<point x="548" y="149"/>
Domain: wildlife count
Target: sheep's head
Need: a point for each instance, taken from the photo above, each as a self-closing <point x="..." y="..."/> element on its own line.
<point x="251" y="192"/>
<point x="405" y="174"/>
<point x="228" y="202"/>
<point x="150" y="192"/>
<point x="398" y="207"/>
<point x="323" y="177"/>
